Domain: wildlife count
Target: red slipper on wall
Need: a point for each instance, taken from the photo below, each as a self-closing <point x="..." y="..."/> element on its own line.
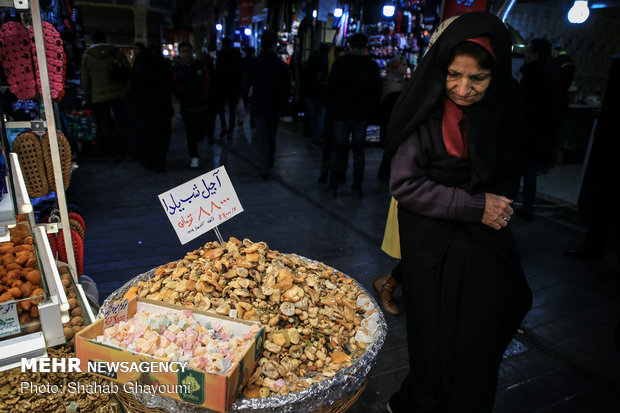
<point x="78" y="249"/>
<point x="55" y="58"/>
<point x="16" y="57"/>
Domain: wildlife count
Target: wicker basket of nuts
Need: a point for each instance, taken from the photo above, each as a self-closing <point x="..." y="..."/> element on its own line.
<point x="323" y="330"/>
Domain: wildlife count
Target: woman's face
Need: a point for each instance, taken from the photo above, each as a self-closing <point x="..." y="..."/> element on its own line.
<point x="466" y="81"/>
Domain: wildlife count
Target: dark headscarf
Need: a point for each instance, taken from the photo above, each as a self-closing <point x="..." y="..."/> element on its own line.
<point x="492" y="124"/>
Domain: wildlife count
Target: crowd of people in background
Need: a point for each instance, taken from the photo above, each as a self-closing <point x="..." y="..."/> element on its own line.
<point x="342" y="89"/>
<point x="442" y="190"/>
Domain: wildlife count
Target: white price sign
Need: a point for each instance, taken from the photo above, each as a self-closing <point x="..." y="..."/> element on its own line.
<point x="116" y="313"/>
<point x="9" y="320"/>
<point x="201" y="204"/>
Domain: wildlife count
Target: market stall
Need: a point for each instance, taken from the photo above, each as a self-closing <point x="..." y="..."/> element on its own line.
<point x="259" y="329"/>
<point x="42" y="301"/>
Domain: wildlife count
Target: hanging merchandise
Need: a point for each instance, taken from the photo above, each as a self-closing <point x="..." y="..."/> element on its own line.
<point x="78" y="224"/>
<point x="18" y="55"/>
<point x="78" y="248"/>
<point x="15" y="53"/>
<point x="53" y="245"/>
<point x="80" y="125"/>
<point x="35" y="160"/>
<point x="30" y="154"/>
<point x="78" y="233"/>
<point x="65" y="159"/>
<point x="55" y="57"/>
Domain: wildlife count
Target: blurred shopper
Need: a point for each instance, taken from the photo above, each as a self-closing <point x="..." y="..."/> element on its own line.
<point x="313" y="85"/>
<point x="328" y="127"/>
<point x="250" y="56"/>
<point x="562" y="73"/>
<point x="537" y="87"/>
<point x="105" y="72"/>
<point x="597" y="200"/>
<point x="268" y="81"/>
<point x="150" y="107"/>
<point x="457" y="157"/>
<point x="354" y="87"/>
<point x="191" y="82"/>
<point x="393" y="85"/>
<point x="228" y="78"/>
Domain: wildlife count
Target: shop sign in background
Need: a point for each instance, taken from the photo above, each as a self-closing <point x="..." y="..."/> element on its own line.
<point x="201" y="204"/>
<point x="246" y="11"/>
<point x="458" y="7"/>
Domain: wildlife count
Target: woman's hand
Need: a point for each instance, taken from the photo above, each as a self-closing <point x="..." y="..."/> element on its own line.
<point x="497" y="211"/>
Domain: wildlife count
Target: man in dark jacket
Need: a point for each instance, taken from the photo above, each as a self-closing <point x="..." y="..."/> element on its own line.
<point x="268" y="80"/>
<point x="106" y="94"/>
<point x="537" y="88"/>
<point x="250" y="56"/>
<point x="149" y="103"/>
<point x="353" y="87"/>
<point x="315" y="80"/>
<point x="191" y="83"/>
<point x="228" y="77"/>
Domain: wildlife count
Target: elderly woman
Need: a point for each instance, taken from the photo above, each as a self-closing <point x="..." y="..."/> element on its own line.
<point x="456" y="165"/>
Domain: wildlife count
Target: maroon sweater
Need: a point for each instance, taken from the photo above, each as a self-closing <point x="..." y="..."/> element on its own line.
<point x="414" y="191"/>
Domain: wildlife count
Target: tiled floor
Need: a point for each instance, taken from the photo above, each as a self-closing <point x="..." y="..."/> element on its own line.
<point x="563" y="360"/>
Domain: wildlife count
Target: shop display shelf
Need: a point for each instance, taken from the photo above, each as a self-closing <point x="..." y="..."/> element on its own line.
<point x="18" y="4"/>
<point x="45" y="329"/>
<point x="15" y="201"/>
<point x="14" y="349"/>
<point x="7" y="215"/>
<point x="22" y="200"/>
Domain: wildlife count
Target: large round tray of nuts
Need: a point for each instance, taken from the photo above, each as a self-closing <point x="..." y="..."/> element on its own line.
<point x="323" y="330"/>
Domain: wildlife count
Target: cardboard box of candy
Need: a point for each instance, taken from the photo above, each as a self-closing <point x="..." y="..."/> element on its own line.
<point x="186" y="354"/>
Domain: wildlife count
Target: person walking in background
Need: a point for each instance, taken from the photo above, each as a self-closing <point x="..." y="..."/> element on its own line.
<point x="354" y="87"/>
<point x="393" y="85"/>
<point x="268" y="81"/>
<point x="457" y="156"/>
<point x="149" y="103"/>
<point x="191" y="82"/>
<point x="537" y="87"/>
<point x="105" y="72"/>
<point x="313" y="85"/>
<point x="250" y="55"/>
<point x="562" y="73"/>
<point x="598" y="200"/>
<point x="328" y="126"/>
<point x="228" y="76"/>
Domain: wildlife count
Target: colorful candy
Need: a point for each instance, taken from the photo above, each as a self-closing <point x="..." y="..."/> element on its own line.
<point x="177" y="336"/>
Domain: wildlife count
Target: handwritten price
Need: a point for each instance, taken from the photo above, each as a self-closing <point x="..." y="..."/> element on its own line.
<point x="200" y="204"/>
<point x="9" y="322"/>
<point x="116" y="313"/>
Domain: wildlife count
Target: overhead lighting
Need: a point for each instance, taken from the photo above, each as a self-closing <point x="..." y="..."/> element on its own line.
<point x="247" y="31"/>
<point x="338" y="12"/>
<point x="314" y="14"/>
<point x="579" y="12"/>
<point x="599" y="6"/>
<point x="218" y="27"/>
<point x="389" y="10"/>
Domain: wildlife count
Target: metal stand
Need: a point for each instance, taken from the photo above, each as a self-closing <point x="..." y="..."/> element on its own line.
<point x="219" y="236"/>
<point x="51" y="131"/>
